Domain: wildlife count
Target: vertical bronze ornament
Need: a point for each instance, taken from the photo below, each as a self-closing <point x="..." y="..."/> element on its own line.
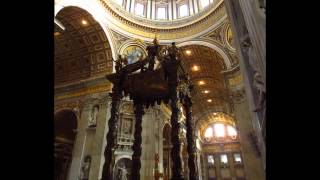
<point x="193" y="174"/>
<point x="175" y="140"/>
<point x="136" y="163"/>
<point x="111" y="136"/>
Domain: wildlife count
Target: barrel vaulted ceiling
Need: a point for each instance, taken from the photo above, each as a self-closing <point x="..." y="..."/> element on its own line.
<point x="82" y="50"/>
<point x="204" y="65"/>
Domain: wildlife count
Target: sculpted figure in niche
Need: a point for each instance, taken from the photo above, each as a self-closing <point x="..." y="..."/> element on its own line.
<point x="93" y="116"/>
<point x="85" y="169"/>
<point x="258" y="82"/>
<point x="122" y="173"/>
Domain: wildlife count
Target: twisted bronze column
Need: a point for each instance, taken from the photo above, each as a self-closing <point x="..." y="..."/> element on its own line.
<point x="175" y="141"/>
<point x="193" y="174"/>
<point x="111" y="136"/>
<point x="136" y="163"/>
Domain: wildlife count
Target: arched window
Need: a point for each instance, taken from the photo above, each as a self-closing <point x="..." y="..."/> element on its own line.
<point x="139" y="9"/>
<point x="120" y="2"/>
<point x="183" y="10"/>
<point x="231" y="131"/>
<point x="208" y="133"/>
<point x="219" y="132"/>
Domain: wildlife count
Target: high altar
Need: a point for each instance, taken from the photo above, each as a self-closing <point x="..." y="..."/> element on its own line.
<point x="147" y="86"/>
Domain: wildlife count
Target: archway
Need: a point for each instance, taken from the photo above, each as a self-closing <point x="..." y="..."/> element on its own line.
<point x="65" y="122"/>
<point x="167" y="162"/>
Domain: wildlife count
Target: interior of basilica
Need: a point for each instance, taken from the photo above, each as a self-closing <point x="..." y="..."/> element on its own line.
<point x="159" y="89"/>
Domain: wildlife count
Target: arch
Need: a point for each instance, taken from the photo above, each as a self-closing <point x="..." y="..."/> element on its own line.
<point x="132" y="42"/>
<point x="67" y="120"/>
<point x="208" y="43"/>
<point x="65" y="124"/>
<point x="92" y="8"/>
<point x="209" y="117"/>
<point x="56" y="111"/>
<point x="123" y="156"/>
<point x="166" y="123"/>
<point x="226" y="30"/>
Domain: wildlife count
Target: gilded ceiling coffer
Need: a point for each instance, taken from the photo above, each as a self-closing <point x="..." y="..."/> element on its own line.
<point x="146" y="86"/>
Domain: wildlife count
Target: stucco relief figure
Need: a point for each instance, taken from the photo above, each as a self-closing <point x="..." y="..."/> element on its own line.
<point x="85" y="169"/>
<point x="258" y="82"/>
<point x="122" y="173"/>
<point x="93" y="116"/>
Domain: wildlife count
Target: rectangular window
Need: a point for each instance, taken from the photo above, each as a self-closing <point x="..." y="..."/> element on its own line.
<point x="223" y="159"/>
<point x="204" y="3"/>
<point x="210" y="159"/>
<point x="183" y="10"/>
<point x="237" y="158"/>
<point x="161" y="13"/>
<point x="139" y="9"/>
<point x="120" y="2"/>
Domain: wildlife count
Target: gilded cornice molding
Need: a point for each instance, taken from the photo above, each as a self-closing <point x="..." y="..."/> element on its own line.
<point x="104" y="87"/>
<point x="163" y="32"/>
